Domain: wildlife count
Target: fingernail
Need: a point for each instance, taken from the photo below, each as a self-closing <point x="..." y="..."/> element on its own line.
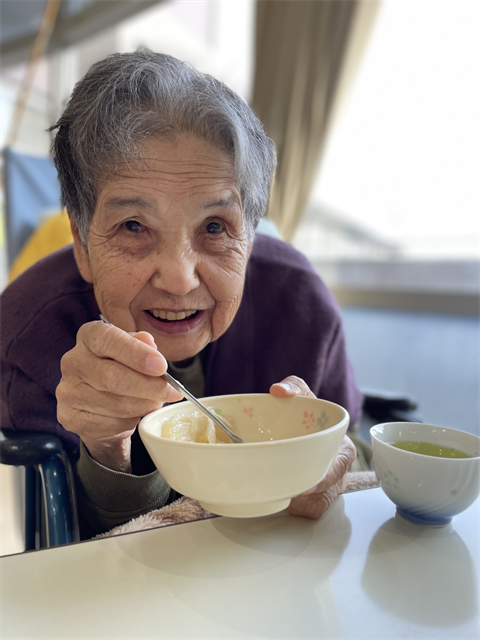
<point x="154" y="365"/>
<point x="286" y="386"/>
<point x="174" y="394"/>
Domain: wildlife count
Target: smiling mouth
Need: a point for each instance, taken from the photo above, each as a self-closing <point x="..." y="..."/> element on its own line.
<point x="172" y="316"/>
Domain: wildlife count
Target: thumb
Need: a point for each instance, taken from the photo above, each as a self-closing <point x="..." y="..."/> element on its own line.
<point x="291" y="386"/>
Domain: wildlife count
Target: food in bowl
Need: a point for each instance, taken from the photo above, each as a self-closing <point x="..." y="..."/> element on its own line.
<point x="427" y="489"/>
<point x="289" y="446"/>
<point x="194" y="427"/>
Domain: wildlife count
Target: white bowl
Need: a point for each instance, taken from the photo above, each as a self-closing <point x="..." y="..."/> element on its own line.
<point x="291" y="443"/>
<point x="427" y="490"/>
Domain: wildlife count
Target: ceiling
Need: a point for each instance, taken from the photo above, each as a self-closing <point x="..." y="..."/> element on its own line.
<point x="76" y="20"/>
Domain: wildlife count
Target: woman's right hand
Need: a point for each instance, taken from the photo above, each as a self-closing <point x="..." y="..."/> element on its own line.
<point x="110" y="379"/>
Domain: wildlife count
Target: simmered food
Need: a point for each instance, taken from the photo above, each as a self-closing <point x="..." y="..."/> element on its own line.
<point x="194" y="427"/>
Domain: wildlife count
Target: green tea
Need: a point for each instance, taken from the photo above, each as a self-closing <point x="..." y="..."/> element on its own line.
<point x="429" y="449"/>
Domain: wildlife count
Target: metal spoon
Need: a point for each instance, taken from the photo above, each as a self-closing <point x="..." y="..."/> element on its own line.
<point x="186" y="394"/>
<point x="189" y="396"/>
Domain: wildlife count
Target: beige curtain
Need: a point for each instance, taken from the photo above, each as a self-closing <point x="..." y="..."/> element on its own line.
<point x="301" y="49"/>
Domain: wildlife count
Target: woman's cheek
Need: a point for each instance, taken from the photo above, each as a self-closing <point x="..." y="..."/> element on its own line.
<point x="227" y="302"/>
<point x="116" y="268"/>
<point x="116" y="284"/>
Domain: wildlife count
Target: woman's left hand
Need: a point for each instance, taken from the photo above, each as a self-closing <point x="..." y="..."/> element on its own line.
<point x="314" y="502"/>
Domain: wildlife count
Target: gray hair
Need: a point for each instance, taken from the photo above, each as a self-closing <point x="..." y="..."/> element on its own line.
<point x="130" y="97"/>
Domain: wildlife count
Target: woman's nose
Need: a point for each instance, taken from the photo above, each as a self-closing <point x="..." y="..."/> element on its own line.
<point x="175" y="273"/>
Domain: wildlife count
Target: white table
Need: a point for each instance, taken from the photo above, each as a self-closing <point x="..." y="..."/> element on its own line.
<point x="359" y="572"/>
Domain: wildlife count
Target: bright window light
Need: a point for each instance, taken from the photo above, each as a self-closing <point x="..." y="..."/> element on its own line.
<point x="402" y="162"/>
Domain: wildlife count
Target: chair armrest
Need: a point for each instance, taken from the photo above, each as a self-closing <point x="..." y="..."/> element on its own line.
<point x="50" y="498"/>
<point x="27" y="447"/>
<point x="389" y="407"/>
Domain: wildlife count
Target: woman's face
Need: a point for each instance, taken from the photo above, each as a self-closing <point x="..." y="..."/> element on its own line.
<point x="168" y="247"/>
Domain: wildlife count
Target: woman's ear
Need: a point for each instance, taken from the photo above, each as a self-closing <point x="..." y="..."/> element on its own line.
<point x="80" y="252"/>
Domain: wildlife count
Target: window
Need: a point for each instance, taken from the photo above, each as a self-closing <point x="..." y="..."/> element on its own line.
<point x="399" y="177"/>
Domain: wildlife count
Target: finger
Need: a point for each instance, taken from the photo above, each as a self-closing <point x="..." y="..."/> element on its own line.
<point x="83" y="396"/>
<point x="95" y="428"/>
<point x="145" y="337"/>
<point x="313" y="506"/>
<point x="106" y="357"/>
<point x="110" y="376"/>
<point x="340" y="466"/>
<point x="338" y="469"/>
<point x="107" y="341"/>
<point x="291" y="386"/>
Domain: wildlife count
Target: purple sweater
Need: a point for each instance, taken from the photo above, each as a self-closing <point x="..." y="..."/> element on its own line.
<point x="287" y="323"/>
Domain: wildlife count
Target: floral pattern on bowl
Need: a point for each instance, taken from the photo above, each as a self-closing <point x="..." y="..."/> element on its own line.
<point x="309" y="420"/>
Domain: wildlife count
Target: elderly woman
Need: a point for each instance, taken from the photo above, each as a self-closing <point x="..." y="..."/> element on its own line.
<point x="165" y="174"/>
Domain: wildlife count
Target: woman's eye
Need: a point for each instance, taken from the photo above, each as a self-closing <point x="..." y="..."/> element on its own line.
<point x="133" y="226"/>
<point x="214" y="227"/>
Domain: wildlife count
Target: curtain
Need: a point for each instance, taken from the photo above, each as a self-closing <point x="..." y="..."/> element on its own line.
<point x="301" y="48"/>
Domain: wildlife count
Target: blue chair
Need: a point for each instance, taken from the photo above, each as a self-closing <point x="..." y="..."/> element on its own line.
<point x="50" y="501"/>
<point x="31" y="189"/>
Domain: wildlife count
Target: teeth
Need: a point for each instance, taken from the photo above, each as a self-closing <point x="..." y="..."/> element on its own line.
<point x="171" y="315"/>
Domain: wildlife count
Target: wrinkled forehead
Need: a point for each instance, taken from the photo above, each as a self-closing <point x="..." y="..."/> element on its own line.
<point x="180" y="165"/>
